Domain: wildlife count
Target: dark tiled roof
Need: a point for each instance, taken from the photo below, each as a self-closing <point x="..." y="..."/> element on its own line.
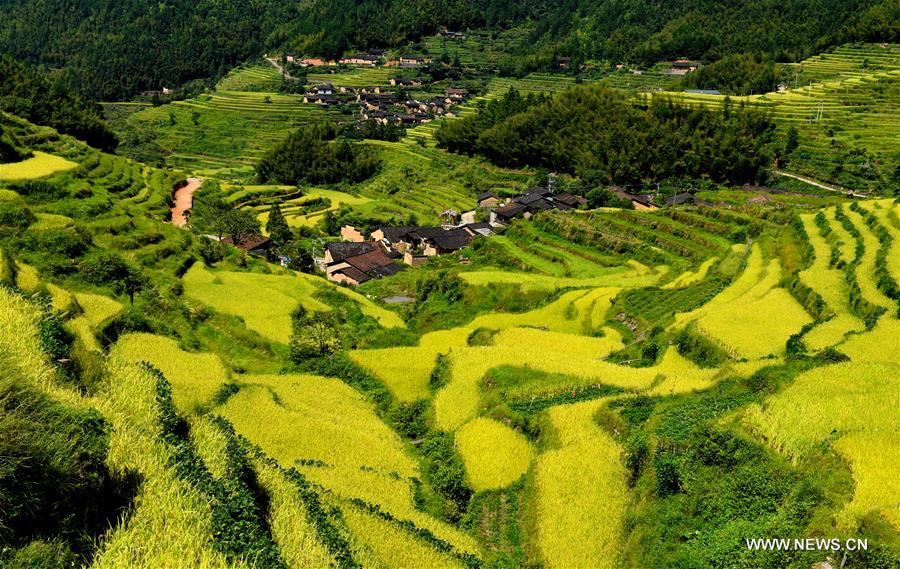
<point x="528" y="199"/>
<point x="354" y="274"/>
<point x="509" y="211"/>
<point x="427" y="232"/>
<point x="569" y="199"/>
<point x="679" y="199"/>
<point x="369" y="261"/>
<point x="451" y="240"/>
<point x="486" y="195"/>
<point x="395" y="234"/>
<point x="251" y="243"/>
<point x="539" y="190"/>
<point x="342" y="250"/>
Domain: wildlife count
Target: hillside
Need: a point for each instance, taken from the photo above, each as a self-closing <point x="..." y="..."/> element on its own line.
<point x="589" y="284"/>
<point x="169" y="44"/>
<point x="574" y="395"/>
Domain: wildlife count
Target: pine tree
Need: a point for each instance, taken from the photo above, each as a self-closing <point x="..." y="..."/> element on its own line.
<point x="277" y="227"/>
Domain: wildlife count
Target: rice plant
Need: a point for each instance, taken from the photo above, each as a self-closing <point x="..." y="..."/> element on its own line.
<point x="195" y="378"/>
<point x="38" y="166"/>
<point x="494" y="454"/>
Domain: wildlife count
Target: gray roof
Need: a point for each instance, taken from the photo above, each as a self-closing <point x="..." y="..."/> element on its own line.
<point x="342" y="250"/>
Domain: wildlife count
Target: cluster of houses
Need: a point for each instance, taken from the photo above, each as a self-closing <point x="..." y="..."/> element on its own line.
<point x="531" y="201"/>
<point x="371" y="58"/>
<point x="384" y="106"/>
<point x="356" y="259"/>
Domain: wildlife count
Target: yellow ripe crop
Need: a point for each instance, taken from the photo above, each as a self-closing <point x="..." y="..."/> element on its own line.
<point x="386" y="318"/>
<point x="96" y="311"/>
<point x="844" y="397"/>
<point x="690" y="277"/>
<point x="39" y="166"/>
<point x="735" y="317"/>
<point x="495" y="455"/>
<point x="581" y="492"/>
<point x="19" y="342"/>
<point x="847" y="241"/>
<point x="756" y="328"/>
<point x="404" y="371"/>
<point x="880" y="344"/>
<point x="617" y="277"/>
<point x="164" y="501"/>
<point x="264" y="302"/>
<point x="393" y="495"/>
<point x="195" y="378"/>
<point x="392" y="545"/>
<point x="865" y="271"/>
<point x="315" y="418"/>
<point x="873" y="460"/>
<point x="297" y="539"/>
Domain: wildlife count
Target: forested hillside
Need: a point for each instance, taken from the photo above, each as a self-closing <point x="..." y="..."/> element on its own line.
<point x="110" y="50"/>
<point x="26" y="93"/>
<point x="599" y="135"/>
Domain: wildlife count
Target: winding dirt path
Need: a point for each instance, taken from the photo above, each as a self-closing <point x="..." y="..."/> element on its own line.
<point x="184" y="200"/>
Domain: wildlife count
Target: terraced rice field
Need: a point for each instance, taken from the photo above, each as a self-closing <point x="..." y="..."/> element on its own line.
<point x="195" y="377"/>
<point x="586" y="469"/>
<point x="38" y="166"/>
<point x="494" y="454"/>
<point x="96" y="311"/>
<point x="735" y="316"/>
<point x="258" y="77"/>
<point x="267" y="312"/>
<point x="355" y="77"/>
<point x="224" y="133"/>
<point x="844" y="105"/>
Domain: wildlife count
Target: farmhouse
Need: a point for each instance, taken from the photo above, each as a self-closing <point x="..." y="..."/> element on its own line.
<point x="447" y="35"/>
<point x="322" y="89"/>
<point x="563" y="62"/>
<point x="506" y="213"/>
<point x="638" y="201"/>
<point x="455" y="95"/>
<point x="356" y="263"/>
<point x="488" y="199"/>
<point x="413" y="61"/>
<point x="361" y="59"/>
<point x="683" y="67"/>
<point x="258" y="245"/>
<point x="403" y="82"/>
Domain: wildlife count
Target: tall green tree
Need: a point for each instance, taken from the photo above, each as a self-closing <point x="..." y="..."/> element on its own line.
<point x="277" y="227"/>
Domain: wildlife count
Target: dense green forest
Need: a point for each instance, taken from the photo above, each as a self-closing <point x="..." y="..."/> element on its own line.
<point x="738" y="74"/>
<point x="310" y="155"/>
<point x="600" y="135"/>
<point x="26" y="93"/>
<point x="111" y="50"/>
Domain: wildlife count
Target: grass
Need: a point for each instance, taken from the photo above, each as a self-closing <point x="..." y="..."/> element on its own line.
<point x="495" y="455"/>
<point x="195" y="378"/>
<point x="39" y="166"/>
<point x="581" y="492"/>
<point x="264" y="302"/>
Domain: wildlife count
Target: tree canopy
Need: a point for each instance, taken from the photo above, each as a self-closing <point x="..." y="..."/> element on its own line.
<point x="598" y="133"/>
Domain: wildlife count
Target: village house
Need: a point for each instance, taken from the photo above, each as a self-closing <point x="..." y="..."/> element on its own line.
<point x="455" y="95"/>
<point x="448" y="241"/>
<point x="324" y="100"/>
<point x="403" y="82"/>
<point x="322" y="89"/>
<point x="356" y="263"/>
<point x="488" y="200"/>
<point x="683" y="67"/>
<point x="447" y="35"/>
<point x="504" y="214"/>
<point x="257" y="245"/>
<point x="563" y="62"/>
<point x="410" y="61"/>
<point x="366" y="59"/>
<point x="637" y="201"/>
<point x="366" y="90"/>
<point x="351" y="234"/>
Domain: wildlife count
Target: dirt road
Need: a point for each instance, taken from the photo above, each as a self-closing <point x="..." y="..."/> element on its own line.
<point x="184" y="200"/>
